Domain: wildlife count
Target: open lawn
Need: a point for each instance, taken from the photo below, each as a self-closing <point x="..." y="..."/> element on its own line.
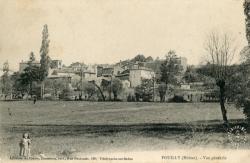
<point x="71" y="128"/>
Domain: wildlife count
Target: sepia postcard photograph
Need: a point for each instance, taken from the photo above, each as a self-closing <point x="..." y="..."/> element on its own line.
<point x="125" y="81"/>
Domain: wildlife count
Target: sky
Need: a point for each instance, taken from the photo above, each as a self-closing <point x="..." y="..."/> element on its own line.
<point x="107" y="31"/>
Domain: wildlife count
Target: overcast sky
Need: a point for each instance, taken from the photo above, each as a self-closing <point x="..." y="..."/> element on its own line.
<point x="106" y="31"/>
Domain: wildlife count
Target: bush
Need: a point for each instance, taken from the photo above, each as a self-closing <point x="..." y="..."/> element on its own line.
<point x="118" y="100"/>
<point x="177" y="98"/>
<point x="147" y="98"/>
<point x="137" y="97"/>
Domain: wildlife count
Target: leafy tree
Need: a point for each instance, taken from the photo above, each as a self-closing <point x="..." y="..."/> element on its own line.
<point x="197" y="74"/>
<point x="244" y="97"/>
<point x="17" y="87"/>
<point x="66" y="93"/>
<point x="170" y="70"/>
<point x="145" y="90"/>
<point x="139" y="58"/>
<point x="44" y="51"/>
<point x="106" y="86"/>
<point x="162" y="88"/>
<point x="90" y="89"/>
<point x="27" y="80"/>
<point x="245" y="54"/>
<point x="238" y="87"/>
<point x="205" y="72"/>
<point x="190" y="75"/>
<point x="116" y="87"/>
<point x="57" y="85"/>
<point x="29" y="76"/>
<point x="220" y="52"/>
<point x="99" y="88"/>
<point x="79" y="85"/>
<point x="149" y="59"/>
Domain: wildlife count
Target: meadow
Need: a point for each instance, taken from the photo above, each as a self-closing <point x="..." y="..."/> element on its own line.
<point x="66" y="128"/>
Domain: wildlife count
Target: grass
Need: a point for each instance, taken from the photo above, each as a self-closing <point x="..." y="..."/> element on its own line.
<point x="67" y="128"/>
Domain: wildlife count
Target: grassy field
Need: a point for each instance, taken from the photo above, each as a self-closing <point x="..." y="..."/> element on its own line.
<point x="72" y="128"/>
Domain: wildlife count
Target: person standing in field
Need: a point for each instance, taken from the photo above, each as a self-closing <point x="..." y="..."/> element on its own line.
<point x="25" y="146"/>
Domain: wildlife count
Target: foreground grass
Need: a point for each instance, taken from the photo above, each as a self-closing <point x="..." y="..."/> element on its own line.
<point x="58" y="128"/>
<point x="61" y="112"/>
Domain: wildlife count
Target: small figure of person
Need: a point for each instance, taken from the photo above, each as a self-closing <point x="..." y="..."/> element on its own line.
<point x="34" y="99"/>
<point x="25" y="146"/>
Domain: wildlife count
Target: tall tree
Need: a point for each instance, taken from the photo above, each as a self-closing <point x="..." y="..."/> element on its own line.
<point x="45" y="59"/>
<point x="170" y="69"/>
<point x="220" y="52"/>
<point x="44" y="53"/>
<point x="57" y="85"/>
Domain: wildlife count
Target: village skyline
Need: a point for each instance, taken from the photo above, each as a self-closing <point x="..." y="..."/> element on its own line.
<point x="97" y="33"/>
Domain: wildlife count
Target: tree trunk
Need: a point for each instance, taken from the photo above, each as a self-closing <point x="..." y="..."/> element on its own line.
<point x="115" y="96"/>
<point x="89" y="96"/>
<point x="103" y="97"/>
<point x="221" y="84"/>
<point x="42" y="90"/>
